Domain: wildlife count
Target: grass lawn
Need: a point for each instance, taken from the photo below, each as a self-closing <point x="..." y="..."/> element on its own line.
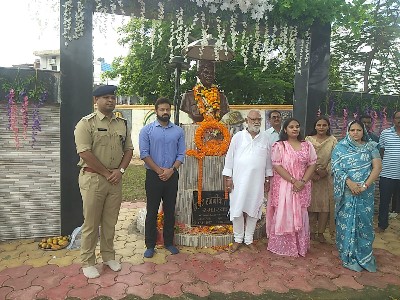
<point x="133" y="184"/>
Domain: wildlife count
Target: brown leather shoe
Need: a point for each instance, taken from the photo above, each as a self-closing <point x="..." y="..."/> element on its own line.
<point x="235" y="246"/>
<point x="253" y="248"/>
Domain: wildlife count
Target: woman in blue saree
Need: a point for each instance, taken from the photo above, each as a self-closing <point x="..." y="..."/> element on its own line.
<point x="356" y="165"/>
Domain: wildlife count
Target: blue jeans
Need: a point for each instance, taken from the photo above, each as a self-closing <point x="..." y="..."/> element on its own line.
<point x="387" y="189"/>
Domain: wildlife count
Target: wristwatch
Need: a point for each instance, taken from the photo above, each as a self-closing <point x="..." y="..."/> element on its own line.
<point x="122" y="170"/>
<point x="175" y="169"/>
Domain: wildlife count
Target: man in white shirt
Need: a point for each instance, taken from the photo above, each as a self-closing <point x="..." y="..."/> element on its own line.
<point x="246" y="173"/>
<point x="275" y="119"/>
<point x="389" y="143"/>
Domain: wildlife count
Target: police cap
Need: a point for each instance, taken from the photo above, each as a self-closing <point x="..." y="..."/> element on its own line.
<point x="104" y="90"/>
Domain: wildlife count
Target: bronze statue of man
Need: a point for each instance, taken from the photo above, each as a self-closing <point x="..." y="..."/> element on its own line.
<point x="206" y="75"/>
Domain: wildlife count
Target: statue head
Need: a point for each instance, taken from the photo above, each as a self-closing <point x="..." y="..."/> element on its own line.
<point x="206" y="72"/>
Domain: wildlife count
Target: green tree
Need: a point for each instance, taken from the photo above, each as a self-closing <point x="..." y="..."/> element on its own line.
<point x="150" y="77"/>
<point x="366" y="47"/>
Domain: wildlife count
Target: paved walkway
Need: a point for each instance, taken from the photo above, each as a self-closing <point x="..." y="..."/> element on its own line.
<point x="27" y="272"/>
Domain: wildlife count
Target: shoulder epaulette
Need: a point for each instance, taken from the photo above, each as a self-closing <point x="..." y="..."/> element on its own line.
<point x="122" y="118"/>
<point x="88" y="117"/>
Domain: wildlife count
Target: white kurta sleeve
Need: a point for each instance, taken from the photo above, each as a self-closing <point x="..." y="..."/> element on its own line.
<point x="268" y="165"/>
<point x="228" y="167"/>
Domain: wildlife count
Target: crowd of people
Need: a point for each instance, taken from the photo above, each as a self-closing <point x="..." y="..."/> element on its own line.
<point x="317" y="180"/>
<point x="307" y="183"/>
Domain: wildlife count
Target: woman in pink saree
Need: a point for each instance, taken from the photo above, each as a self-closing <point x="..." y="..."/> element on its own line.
<point x="293" y="160"/>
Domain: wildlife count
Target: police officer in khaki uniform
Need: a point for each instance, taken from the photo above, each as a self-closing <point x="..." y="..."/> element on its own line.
<point x="104" y="145"/>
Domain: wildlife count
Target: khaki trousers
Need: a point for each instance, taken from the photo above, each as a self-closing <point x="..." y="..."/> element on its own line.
<point x="101" y="204"/>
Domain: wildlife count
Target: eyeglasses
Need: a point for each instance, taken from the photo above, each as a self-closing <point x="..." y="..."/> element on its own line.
<point x="255" y="119"/>
<point x="275" y="117"/>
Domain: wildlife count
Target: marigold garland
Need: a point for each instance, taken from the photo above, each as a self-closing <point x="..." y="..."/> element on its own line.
<point x="208" y="100"/>
<point x="211" y="147"/>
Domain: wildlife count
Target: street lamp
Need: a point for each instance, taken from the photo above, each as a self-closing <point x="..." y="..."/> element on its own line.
<point x="179" y="64"/>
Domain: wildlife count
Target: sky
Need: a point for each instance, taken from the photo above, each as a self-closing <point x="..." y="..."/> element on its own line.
<point x="31" y="25"/>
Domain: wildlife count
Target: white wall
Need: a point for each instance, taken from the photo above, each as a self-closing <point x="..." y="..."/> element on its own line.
<point x="142" y="114"/>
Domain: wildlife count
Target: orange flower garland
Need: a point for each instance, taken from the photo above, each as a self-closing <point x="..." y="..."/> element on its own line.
<point x="208" y="100"/>
<point x="210" y="147"/>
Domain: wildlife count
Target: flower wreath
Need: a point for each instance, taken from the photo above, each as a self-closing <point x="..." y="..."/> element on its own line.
<point x="211" y="147"/>
<point x="208" y="100"/>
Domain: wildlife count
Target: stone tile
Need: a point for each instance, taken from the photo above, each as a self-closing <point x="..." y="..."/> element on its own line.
<point x="237" y="264"/>
<point x="3" y="278"/>
<point x="27" y="293"/>
<point x="223" y="286"/>
<point x="347" y="281"/>
<point x="48" y="280"/>
<point x="62" y="261"/>
<point x="40" y="261"/>
<point x="73" y="282"/>
<point x="248" y="286"/>
<point x="282" y="264"/>
<point x="7" y="255"/>
<point x="184" y="276"/>
<point x="168" y="268"/>
<point x="223" y="256"/>
<point x="179" y="258"/>
<point x="84" y="293"/>
<point x="29" y="247"/>
<point x="256" y="274"/>
<point x="215" y="264"/>
<point x="70" y="270"/>
<point x="371" y="279"/>
<point x="299" y="283"/>
<point x="16" y="272"/>
<point x="203" y="257"/>
<point x="48" y="269"/>
<point x="274" y="284"/>
<point x="231" y="275"/>
<point x="133" y="278"/>
<point x="145" y="268"/>
<point x="208" y="276"/>
<point x="134" y="259"/>
<point x="9" y="246"/>
<point x="391" y="279"/>
<point x="322" y="282"/>
<point x="389" y="269"/>
<point x="4" y="291"/>
<point x="125" y="268"/>
<point x="324" y="271"/>
<point x="145" y="290"/>
<point x="116" y="291"/>
<point x="14" y="262"/>
<point x="171" y="289"/>
<point x="300" y="271"/>
<point x="157" y="278"/>
<point x="20" y="283"/>
<point x="105" y="280"/>
<point x="197" y="288"/>
<point x="192" y="265"/>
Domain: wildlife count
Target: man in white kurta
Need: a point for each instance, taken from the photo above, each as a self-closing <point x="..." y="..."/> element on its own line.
<point x="246" y="175"/>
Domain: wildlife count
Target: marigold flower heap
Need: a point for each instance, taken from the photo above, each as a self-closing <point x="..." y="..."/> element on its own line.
<point x="208" y="101"/>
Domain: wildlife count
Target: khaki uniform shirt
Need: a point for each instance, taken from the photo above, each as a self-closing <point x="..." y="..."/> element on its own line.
<point x="107" y="139"/>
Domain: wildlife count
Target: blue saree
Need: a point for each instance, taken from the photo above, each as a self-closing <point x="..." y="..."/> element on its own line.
<point x="354" y="213"/>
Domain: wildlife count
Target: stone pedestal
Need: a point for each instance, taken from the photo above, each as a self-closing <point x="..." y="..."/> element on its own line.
<point x="188" y="178"/>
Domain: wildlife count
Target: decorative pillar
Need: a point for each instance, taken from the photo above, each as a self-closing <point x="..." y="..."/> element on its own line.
<point x="311" y="80"/>
<point x="76" y="84"/>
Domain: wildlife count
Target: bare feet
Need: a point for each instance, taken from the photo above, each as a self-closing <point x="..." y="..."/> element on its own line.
<point x="379" y="230"/>
<point x="253" y="248"/>
<point x="235" y="246"/>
